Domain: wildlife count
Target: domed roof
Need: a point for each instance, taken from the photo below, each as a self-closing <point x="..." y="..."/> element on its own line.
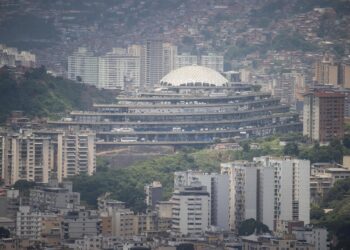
<point x="193" y="75"/>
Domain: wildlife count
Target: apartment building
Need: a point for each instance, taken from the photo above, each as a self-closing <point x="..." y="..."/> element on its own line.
<point x="12" y="57"/>
<point x="169" y="55"/>
<point x="28" y="223"/>
<point x="38" y="156"/>
<point x="246" y="200"/>
<point x="344" y="76"/>
<point x="123" y="222"/>
<point x="153" y="193"/>
<point x="83" y="66"/>
<point x="323" y="115"/>
<point x="191" y="210"/>
<point x="185" y="59"/>
<point x="213" y="61"/>
<point x="75" y="154"/>
<point x="118" y="70"/>
<point x="25" y="156"/>
<point x="77" y="224"/>
<point x="153" y="62"/>
<point x="318" y="237"/>
<point x="326" y="71"/>
<point x="54" y="197"/>
<point x="51" y="229"/>
<point x="291" y="187"/>
<point x="268" y="190"/>
<point x="218" y="188"/>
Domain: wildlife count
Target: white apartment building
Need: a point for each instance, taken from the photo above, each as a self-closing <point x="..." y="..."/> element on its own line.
<point x="153" y="62"/>
<point x="12" y="57"/>
<point x="169" y="55"/>
<point x="83" y="67"/>
<point x="118" y="71"/>
<point x="185" y="59"/>
<point x="242" y="191"/>
<point x="191" y="210"/>
<point x="28" y="223"/>
<point x="218" y="188"/>
<point x="213" y="61"/>
<point x="139" y="51"/>
<point x="314" y="236"/>
<point x="291" y="187"/>
<point x="268" y="189"/>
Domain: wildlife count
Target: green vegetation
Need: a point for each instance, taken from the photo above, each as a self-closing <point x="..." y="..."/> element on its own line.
<point x="41" y="95"/>
<point x="127" y="184"/>
<point x="24" y="186"/>
<point x="338" y="220"/>
<point x="248" y="227"/>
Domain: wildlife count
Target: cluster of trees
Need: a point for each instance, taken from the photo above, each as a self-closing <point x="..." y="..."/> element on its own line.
<point x="330" y="153"/>
<point x="251" y="226"/>
<point x="336" y="221"/>
<point x="39" y="94"/>
<point x="127" y="184"/>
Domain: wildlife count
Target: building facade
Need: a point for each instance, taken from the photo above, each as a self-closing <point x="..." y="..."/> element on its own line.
<point x="83" y="67"/>
<point x="190" y="210"/>
<point x="153" y="193"/>
<point x="185" y="59"/>
<point x="326" y="71"/>
<point x="77" y="224"/>
<point x="40" y="155"/>
<point x="323" y="116"/>
<point x="218" y="188"/>
<point x="268" y="190"/>
<point x="118" y="71"/>
<point x="28" y="223"/>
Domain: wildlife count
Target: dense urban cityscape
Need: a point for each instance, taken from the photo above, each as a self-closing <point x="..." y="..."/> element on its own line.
<point x="175" y="125"/>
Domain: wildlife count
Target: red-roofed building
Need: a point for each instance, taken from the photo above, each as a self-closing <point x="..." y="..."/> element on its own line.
<point x="323" y="117"/>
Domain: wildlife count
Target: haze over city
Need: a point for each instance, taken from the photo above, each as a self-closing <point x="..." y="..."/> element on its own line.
<point x="175" y="124"/>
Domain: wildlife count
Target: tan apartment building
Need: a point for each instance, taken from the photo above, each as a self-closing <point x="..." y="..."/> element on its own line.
<point x="326" y="71"/>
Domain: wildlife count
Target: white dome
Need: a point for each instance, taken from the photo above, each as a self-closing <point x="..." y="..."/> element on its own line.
<point x="193" y="76"/>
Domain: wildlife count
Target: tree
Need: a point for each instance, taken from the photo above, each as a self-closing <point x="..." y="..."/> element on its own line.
<point x="346" y="141"/>
<point x="316" y="213"/>
<point x="4" y="233"/>
<point x="245" y="146"/>
<point x="24" y="185"/>
<point x="291" y="149"/>
<point x="251" y="226"/>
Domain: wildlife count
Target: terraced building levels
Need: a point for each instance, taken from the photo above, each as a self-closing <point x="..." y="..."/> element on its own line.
<point x="189" y="113"/>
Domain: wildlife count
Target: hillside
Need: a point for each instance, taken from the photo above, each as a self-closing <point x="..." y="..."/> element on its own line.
<point x="41" y="95"/>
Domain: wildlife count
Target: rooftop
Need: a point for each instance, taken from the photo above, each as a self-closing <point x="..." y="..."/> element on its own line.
<point x="194" y="75"/>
